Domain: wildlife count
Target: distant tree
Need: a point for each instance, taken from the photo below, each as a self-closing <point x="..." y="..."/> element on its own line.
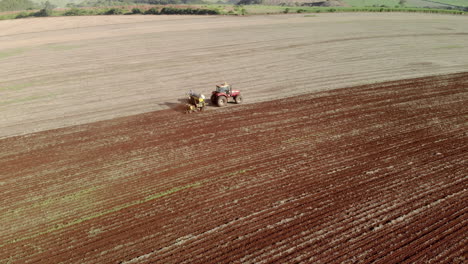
<point x="114" y="11"/>
<point x="74" y="11"/>
<point x="169" y="2"/>
<point x="136" y="11"/>
<point x="46" y="10"/>
<point x="152" y="11"/>
<point x="48" y="5"/>
<point x="250" y="2"/>
<point x="402" y="2"/>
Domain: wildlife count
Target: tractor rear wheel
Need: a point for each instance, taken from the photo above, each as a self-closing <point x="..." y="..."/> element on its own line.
<point x="222" y="101"/>
<point x="213" y="99"/>
<point x="238" y="99"/>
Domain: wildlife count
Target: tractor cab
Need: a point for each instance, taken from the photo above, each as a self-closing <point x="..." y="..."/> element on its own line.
<point x="223" y="88"/>
<point x="224" y="93"/>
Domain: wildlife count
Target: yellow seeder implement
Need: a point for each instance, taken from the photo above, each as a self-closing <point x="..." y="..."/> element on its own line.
<point x="195" y="102"/>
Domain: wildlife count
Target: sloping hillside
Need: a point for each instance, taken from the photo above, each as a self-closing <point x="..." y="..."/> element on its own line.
<point x="407" y="3"/>
<point x="306" y="2"/>
<point x="13" y="5"/>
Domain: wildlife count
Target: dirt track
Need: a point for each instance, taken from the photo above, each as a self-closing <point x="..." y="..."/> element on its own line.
<point x="373" y="173"/>
<point x="56" y="72"/>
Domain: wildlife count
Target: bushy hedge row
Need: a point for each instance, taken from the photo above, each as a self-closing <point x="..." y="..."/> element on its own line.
<point x="152" y="11"/>
<point x="389" y="9"/>
<point x="188" y="11"/>
<point x="120" y="11"/>
<point x="370" y="9"/>
<point x="114" y="11"/>
<point x="107" y="3"/>
<point x="76" y="12"/>
<point x="176" y="11"/>
<point x="216" y="11"/>
<point x="44" y="12"/>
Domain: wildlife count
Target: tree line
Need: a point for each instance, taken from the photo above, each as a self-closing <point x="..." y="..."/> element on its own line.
<point x="16" y="5"/>
<point x="100" y="3"/>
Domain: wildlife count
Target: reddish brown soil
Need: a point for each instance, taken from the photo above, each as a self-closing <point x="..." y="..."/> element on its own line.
<point x="374" y="173"/>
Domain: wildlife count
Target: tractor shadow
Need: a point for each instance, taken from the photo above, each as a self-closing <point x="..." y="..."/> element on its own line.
<point x="178" y="107"/>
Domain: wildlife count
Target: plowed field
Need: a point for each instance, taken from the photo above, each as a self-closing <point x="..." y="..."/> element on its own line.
<point x="374" y="173"/>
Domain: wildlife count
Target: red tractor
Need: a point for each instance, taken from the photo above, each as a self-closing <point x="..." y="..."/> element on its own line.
<point x="223" y="93"/>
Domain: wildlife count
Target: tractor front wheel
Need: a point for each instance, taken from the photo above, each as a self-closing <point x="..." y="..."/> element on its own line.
<point x="238" y="99"/>
<point x="222" y="101"/>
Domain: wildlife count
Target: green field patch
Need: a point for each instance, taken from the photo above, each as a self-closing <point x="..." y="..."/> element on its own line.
<point x="363" y="3"/>
<point x="370" y="7"/>
<point x="99" y="214"/>
<point x="8" y="16"/>
<point x="20" y="100"/>
<point x="393" y="3"/>
<point x="82" y="196"/>
<point x="77" y="195"/>
<point x="16" y="87"/>
<point x="11" y="52"/>
<point x="461" y="3"/>
<point x="57" y="3"/>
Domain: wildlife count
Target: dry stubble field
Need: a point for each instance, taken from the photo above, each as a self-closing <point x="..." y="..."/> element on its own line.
<point x="370" y="173"/>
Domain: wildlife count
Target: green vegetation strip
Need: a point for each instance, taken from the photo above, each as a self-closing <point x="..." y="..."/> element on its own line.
<point x="261" y="9"/>
<point x="120" y="207"/>
<point x="8" y="16"/>
<point x="112" y="210"/>
<point x="145" y="10"/>
<point x="70" y="197"/>
<point x="223" y="10"/>
<point x="11" y="52"/>
<point x="363" y="3"/>
<point x="16" y="87"/>
<point x="21" y="100"/>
